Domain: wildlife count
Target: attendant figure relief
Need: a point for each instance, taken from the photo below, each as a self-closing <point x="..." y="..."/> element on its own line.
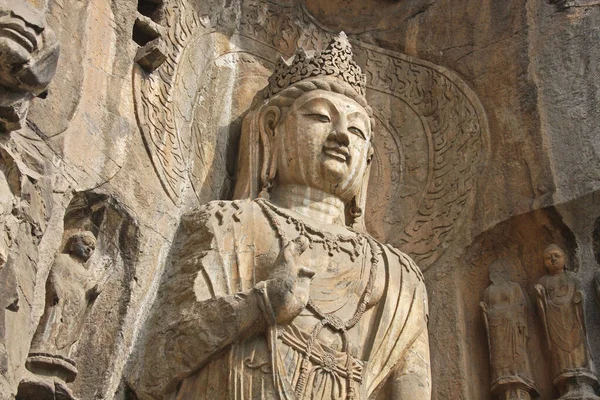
<point x="504" y="311"/>
<point x="560" y="303"/>
<point x="71" y="289"/>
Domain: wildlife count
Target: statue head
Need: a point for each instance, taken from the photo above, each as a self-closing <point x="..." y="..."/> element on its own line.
<point x="554" y="259"/>
<point x="310" y="126"/>
<point x="82" y="245"/>
<point x="499" y="271"/>
<point x="28" y="48"/>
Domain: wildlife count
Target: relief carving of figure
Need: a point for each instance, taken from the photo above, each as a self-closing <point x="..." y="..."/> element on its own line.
<point x="70" y="292"/>
<point x="28" y="58"/>
<point x="505" y="315"/>
<point x="281" y="293"/>
<point x="561" y="306"/>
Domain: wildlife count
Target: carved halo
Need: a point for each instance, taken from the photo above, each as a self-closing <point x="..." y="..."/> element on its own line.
<point x="430" y="144"/>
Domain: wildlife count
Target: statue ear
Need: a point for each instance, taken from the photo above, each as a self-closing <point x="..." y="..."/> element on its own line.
<point x="370" y="154"/>
<point x="268" y="120"/>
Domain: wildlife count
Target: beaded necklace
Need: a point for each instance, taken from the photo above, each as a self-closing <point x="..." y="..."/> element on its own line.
<point x="332" y="321"/>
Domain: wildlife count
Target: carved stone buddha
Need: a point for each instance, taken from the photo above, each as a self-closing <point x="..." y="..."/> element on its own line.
<point x="560" y="302"/>
<point x="281" y="293"/>
<point x="71" y="289"/>
<point x="505" y="315"/>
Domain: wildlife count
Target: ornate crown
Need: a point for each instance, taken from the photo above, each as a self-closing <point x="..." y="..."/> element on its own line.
<point x="335" y="61"/>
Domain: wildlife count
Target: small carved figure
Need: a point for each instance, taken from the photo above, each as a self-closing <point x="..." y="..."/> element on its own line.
<point x="70" y="293"/>
<point x="561" y="306"/>
<point x="28" y="58"/>
<point x="504" y="313"/>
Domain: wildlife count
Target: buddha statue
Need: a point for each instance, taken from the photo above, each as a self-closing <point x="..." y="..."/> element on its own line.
<point x="281" y="293"/>
<point x="561" y="307"/>
<point x="71" y="289"/>
<point x="505" y="316"/>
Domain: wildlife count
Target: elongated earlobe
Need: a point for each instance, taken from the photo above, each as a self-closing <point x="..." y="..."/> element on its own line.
<point x="268" y="120"/>
<point x="370" y="154"/>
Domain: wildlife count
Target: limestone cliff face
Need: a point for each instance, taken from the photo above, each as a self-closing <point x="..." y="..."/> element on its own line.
<point x="487" y="148"/>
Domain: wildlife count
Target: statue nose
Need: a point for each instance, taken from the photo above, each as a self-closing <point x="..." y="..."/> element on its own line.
<point x="340" y="136"/>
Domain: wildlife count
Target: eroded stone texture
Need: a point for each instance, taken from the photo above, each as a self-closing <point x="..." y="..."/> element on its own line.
<point x="486" y="148"/>
<point x="28" y="58"/>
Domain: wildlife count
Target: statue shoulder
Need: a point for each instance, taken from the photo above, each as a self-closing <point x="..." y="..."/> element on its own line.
<point x="409" y="276"/>
<point x="404" y="261"/>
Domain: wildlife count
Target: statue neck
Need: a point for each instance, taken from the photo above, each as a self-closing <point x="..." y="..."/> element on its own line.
<point x="313" y="203"/>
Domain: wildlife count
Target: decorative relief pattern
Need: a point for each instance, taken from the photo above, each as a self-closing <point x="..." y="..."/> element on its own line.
<point x="454" y="123"/>
<point x="431" y="137"/>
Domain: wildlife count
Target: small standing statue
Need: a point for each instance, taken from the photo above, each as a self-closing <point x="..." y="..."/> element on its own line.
<point x="504" y="314"/>
<point x="70" y="292"/>
<point x="561" y="306"/>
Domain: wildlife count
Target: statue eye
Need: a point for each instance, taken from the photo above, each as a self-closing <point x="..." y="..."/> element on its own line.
<point x="320" y="117"/>
<point x="357" y="132"/>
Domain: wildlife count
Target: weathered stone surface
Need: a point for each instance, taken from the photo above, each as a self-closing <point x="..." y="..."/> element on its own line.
<point x="561" y="302"/>
<point x="453" y="194"/>
<point x="282" y="293"/>
<point x="28" y="58"/>
<point x="505" y="315"/>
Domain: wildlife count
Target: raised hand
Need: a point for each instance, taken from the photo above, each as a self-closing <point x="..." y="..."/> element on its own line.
<point x="288" y="286"/>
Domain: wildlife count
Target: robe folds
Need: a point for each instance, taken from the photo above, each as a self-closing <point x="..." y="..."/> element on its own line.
<point x="190" y="349"/>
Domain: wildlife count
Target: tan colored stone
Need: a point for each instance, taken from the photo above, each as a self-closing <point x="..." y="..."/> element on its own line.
<point x="283" y="294"/>
<point x="560" y="302"/>
<point x="505" y="315"/>
<point x="28" y="58"/>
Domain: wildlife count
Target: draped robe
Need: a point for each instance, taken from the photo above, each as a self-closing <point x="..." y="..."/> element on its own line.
<point x="565" y="324"/>
<point x="192" y="352"/>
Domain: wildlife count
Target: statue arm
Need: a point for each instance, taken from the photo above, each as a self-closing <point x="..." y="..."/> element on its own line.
<point x="523" y="305"/>
<point x="579" y="301"/>
<point x="542" y="302"/>
<point x="484" y="314"/>
<point x="189" y="327"/>
<point x="412" y="378"/>
<point x="192" y="334"/>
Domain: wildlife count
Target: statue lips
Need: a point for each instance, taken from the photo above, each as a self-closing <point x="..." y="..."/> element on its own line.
<point x="337" y="152"/>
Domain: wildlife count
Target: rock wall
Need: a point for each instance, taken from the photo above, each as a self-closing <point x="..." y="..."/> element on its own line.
<point x="141" y="121"/>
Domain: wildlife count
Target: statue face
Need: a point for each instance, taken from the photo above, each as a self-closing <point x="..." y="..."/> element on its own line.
<point x="324" y="142"/>
<point x="83" y="248"/>
<point x="554" y="260"/>
<point x="498" y="273"/>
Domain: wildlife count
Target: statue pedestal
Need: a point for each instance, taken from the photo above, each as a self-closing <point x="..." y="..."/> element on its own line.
<point x="47" y="378"/>
<point x="513" y="388"/>
<point x="579" y="384"/>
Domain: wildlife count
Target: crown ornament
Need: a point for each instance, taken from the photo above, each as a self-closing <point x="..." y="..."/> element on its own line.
<point x="335" y="61"/>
